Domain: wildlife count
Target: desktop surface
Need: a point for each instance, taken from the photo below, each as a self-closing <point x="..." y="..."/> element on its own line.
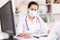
<point x="10" y="39"/>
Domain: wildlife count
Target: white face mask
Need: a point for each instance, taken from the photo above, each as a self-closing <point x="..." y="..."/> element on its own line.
<point x="32" y="13"/>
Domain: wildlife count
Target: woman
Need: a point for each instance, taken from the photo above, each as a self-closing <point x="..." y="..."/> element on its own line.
<point x="31" y="24"/>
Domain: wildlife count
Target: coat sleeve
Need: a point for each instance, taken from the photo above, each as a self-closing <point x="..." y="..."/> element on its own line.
<point x="43" y="26"/>
<point x="19" y="28"/>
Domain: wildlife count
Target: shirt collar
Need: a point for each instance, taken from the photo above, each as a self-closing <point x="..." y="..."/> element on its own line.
<point x="33" y="20"/>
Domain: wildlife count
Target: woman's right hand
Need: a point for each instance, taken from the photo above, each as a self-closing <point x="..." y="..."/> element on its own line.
<point x="25" y="35"/>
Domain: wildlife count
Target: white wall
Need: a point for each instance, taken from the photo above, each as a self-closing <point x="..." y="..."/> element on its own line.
<point x="56" y="8"/>
<point x="2" y="2"/>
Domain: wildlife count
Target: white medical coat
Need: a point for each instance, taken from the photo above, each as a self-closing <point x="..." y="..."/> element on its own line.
<point x="35" y="27"/>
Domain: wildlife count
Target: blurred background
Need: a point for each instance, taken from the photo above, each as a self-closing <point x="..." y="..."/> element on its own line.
<point x="49" y="10"/>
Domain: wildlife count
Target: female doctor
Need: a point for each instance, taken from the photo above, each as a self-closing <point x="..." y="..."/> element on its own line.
<point x="31" y="24"/>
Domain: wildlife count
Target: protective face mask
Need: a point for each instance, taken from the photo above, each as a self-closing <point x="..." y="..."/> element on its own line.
<point x="32" y="13"/>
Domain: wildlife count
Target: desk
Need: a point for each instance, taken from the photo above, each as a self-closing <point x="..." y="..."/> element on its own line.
<point x="9" y="39"/>
<point x="3" y="35"/>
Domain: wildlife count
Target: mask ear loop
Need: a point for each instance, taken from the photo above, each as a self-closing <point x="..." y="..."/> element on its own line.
<point x="26" y="23"/>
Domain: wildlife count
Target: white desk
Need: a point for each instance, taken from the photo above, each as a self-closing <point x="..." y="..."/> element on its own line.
<point x="3" y="36"/>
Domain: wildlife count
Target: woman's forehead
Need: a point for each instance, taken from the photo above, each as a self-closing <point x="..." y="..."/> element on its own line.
<point x="33" y="6"/>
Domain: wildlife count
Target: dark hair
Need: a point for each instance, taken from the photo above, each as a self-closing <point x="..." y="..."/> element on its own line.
<point x="31" y="3"/>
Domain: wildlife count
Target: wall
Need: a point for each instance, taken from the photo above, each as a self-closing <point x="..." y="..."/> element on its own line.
<point x="2" y="2"/>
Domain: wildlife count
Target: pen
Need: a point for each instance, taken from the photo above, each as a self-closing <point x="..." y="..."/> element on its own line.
<point x="36" y="37"/>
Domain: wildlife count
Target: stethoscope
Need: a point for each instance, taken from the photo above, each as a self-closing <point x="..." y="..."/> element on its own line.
<point x="27" y="23"/>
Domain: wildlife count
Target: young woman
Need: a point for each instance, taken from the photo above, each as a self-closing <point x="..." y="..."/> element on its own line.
<point x="31" y="24"/>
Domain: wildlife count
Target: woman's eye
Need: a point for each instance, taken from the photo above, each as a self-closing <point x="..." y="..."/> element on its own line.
<point x="33" y="9"/>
